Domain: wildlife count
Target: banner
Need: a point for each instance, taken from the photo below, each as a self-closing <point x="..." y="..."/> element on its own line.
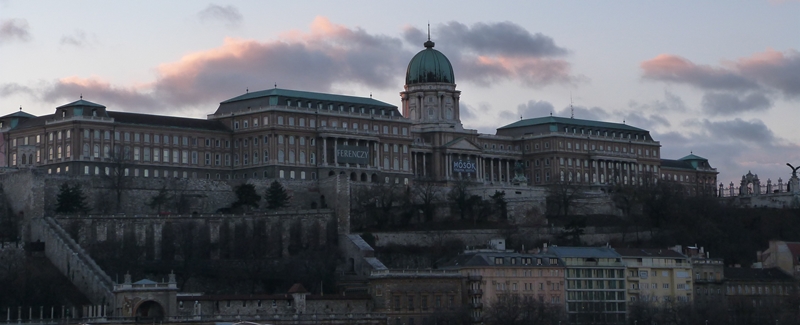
<point x="464" y="166"/>
<point x="352" y="154"/>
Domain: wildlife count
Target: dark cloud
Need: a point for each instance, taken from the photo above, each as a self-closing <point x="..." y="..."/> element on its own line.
<point x="503" y="39"/>
<point x="734" y="147"/>
<point x="644" y="121"/>
<point x="327" y="56"/>
<point x="229" y="15"/>
<point x="670" y="103"/>
<point x="778" y="70"/>
<point x="14" y="29"/>
<point x="489" y="53"/>
<point x="753" y="131"/>
<point x="534" y="108"/>
<point x="672" y="68"/>
<point x="466" y="111"/>
<point x="77" y="39"/>
<point x="14" y="88"/>
<point x="726" y="103"/>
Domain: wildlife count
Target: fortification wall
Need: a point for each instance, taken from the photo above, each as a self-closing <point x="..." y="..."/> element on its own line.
<point x="477" y="237"/>
<point x="66" y="255"/>
<point x="274" y="233"/>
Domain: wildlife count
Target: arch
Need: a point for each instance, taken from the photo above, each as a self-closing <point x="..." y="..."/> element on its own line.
<point x="149" y="310"/>
<point x="374" y="178"/>
<point x="353" y="177"/>
<point x="331" y="173"/>
<point x="363" y="177"/>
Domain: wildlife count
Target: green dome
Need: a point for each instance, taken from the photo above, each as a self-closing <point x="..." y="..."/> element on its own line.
<point x="429" y="65"/>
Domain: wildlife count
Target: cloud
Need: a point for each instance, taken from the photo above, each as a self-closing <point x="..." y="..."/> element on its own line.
<point x="671" y="68"/>
<point x="744" y="85"/>
<point x="489" y="53"/>
<point x="13" y="88"/>
<point x="670" y="103"/>
<point x="499" y="39"/>
<point x="229" y="15"/>
<point x="778" y="70"/>
<point x="725" y="103"/>
<point x="14" y="29"/>
<point x="319" y="60"/>
<point x="734" y="147"/>
<point x="77" y="39"/>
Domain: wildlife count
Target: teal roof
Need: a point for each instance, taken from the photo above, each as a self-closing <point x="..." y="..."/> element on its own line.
<point x="286" y="93"/>
<point x="692" y="157"/>
<point x="429" y="65"/>
<point x="19" y="114"/>
<point x="571" y="122"/>
<point x="81" y="102"/>
<point x="145" y="281"/>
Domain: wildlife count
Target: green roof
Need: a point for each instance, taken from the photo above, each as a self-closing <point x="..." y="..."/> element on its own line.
<point x="692" y="157"/>
<point x="286" y="93"/>
<point x="81" y="102"/>
<point x="571" y="122"/>
<point x="19" y="114"/>
<point x="429" y="65"/>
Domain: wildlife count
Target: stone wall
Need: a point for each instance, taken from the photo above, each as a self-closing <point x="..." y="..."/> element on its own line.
<point x="66" y="255"/>
<point x="481" y="237"/>
<point x="224" y="235"/>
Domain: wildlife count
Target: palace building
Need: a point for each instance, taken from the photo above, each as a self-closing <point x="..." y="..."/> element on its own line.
<point x="290" y="134"/>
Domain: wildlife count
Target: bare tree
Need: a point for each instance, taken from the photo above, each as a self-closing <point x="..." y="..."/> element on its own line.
<point x="426" y="194"/>
<point x="118" y="161"/>
<point x="563" y="198"/>
<point x="514" y="309"/>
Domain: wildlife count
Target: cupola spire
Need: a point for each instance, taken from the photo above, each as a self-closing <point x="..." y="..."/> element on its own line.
<point x="429" y="44"/>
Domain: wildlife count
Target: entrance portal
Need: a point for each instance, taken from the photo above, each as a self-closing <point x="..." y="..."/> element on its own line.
<point x="150" y="311"/>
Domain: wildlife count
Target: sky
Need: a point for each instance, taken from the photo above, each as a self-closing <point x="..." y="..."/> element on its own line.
<point x="717" y="79"/>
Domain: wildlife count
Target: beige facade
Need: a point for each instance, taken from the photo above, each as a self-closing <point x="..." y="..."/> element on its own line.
<point x="494" y="274"/>
<point x="656" y="275"/>
<point x="417" y="296"/>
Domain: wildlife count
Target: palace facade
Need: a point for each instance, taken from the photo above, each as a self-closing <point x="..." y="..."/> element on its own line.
<point x="290" y="134"/>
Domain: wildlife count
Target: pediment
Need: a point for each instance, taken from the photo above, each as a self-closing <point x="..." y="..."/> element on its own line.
<point x="462" y="144"/>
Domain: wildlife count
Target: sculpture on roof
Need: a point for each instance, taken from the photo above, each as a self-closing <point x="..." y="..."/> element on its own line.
<point x="794" y="169"/>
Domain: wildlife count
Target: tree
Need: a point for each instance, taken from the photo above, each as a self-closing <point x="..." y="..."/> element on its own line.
<point x="460" y="198"/>
<point x="246" y="196"/>
<point x="71" y="199"/>
<point x="119" y="161"/>
<point x="277" y="196"/>
<point x="426" y="194"/>
<point x="158" y="200"/>
<point x="522" y="310"/>
<point x="627" y="199"/>
<point x="500" y="204"/>
<point x="563" y="197"/>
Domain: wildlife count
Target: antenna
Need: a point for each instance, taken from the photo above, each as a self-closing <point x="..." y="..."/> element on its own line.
<point x="571" y="109"/>
<point x="429" y="30"/>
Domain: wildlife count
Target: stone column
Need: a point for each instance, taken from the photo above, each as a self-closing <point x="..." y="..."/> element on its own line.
<point x="424" y="164"/>
<point x="335" y="147"/>
<point x="491" y="170"/>
<point x="508" y="173"/>
<point x="325" y="151"/>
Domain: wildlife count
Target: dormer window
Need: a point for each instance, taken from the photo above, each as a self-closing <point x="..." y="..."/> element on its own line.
<point x="94" y="112"/>
<point x="64" y="113"/>
<point x="498" y="261"/>
<point x="289" y="103"/>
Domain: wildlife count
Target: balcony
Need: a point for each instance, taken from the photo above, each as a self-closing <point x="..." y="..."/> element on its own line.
<point x="80" y="118"/>
<point x="476" y="292"/>
<point x="612" y="155"/>
<point x="477" y="305"/>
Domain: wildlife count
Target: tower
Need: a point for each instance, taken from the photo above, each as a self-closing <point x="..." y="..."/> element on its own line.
<point x="430" y="97"/>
